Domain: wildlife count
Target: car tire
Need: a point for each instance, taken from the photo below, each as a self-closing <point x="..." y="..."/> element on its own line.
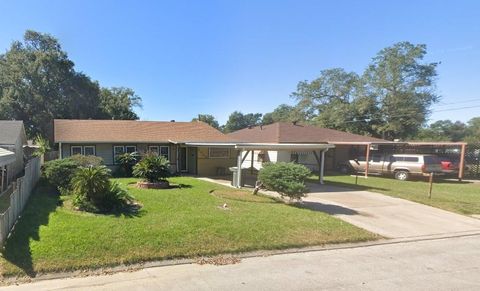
<point x="402" y="175"/>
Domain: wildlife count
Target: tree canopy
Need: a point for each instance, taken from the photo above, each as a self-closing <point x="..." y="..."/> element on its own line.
<point x="38" y="83"/>
<point x="284" y="113"/>
<point x="237" y="120"/>
<point x="208" y="119"/>
<point x="391" y="99"/>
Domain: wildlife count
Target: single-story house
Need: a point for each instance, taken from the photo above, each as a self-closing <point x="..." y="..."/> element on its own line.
<point x="347" y="145"/>
<point x="12" y="161"/>
<point x="191" y="147"/>
<point x="110" y="138"/>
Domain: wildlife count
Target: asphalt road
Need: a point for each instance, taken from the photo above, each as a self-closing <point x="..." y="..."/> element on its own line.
<point x="441" y="264"/>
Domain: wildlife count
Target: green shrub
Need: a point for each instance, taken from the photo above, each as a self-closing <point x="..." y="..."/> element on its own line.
<point x="288" y="179"/>
<point x="127" y="161"/>
<point x="86" y="161"/>
<point x="91" y="184"/>
<point x="95" y="193"/>
<point x="60" y="172"/>
<point x="117" y="198"/>
<point x="152" y="168"/>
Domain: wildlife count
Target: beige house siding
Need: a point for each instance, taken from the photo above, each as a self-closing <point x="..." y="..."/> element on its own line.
<point x="207" y="166"/>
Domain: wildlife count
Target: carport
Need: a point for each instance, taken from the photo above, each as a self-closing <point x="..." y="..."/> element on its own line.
<point x="6" y="158"/>
<point x="244" y="149"/>
<point x="437" y="148"/>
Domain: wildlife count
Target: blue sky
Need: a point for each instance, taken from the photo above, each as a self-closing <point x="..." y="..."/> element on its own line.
<point x="190" y="57"/>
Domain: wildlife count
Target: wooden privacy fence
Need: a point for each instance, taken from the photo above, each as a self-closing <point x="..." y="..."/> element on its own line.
<point x="20" y="192"/>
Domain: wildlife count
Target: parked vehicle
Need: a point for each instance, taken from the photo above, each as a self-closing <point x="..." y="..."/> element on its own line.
<point x="401" y="166"/>
<point x="448" y="165"/>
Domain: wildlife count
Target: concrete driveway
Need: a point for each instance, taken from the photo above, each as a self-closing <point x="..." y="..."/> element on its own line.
<point x="387" y="216"/>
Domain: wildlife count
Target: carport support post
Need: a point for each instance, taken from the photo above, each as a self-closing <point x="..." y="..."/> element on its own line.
<point x="239" y="169"/>
<point x="462" y="162"/>
<point x="367" y="159"/>
<point x="322" y="166"/>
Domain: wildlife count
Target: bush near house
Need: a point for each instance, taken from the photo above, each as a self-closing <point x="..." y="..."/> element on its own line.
<point x="94" y="192"/>
<point x="59" y="173"/>
<point x="288" y="179"/>
<point x="152" y="168"/>
<point x="127" y="161"/>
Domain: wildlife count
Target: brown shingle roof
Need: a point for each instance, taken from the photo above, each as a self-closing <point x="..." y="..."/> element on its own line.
<point x="135" y="131"/>
<point x="286" y="132"/>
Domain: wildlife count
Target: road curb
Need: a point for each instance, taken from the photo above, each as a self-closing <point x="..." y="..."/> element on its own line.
<point x="254" y="254"/>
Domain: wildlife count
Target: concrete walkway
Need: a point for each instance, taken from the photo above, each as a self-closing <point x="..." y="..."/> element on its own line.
<point x="388" y="216"/>
<point x="445" y="264"/>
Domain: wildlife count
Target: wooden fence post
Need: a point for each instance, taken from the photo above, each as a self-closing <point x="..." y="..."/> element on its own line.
<point x="430" y="181"/>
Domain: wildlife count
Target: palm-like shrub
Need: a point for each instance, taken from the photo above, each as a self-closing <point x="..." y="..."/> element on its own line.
<point x="94" y="192"/>
<point x="127" y="161"/>
<point x="288" y="179"/>
<point x="91" y="185"/>
<point x="152" y="168"/>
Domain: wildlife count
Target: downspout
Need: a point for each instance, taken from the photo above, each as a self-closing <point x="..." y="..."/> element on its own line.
<point x="60" y="154"/>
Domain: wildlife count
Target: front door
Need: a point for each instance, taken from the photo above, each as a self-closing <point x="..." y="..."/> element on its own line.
<point x="183" y="159"/>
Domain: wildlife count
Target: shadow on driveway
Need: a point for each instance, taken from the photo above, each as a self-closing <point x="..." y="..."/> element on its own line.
<point x="327" y="208"/>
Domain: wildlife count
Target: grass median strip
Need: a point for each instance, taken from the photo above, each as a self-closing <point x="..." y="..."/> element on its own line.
<point x="183" y="222"/>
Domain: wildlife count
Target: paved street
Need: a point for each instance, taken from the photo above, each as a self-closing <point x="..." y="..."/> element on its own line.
<point x="442" y="264"/>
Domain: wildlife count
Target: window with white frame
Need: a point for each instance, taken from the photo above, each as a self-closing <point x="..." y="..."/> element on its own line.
<point x="76" y="150"/>
<point x="130" y="149"/>
<point x="154" y="150"/>
<point x="89" y="150"/>
<point x="117" y="152"/>
<point x="164" y="152"/>
<point x="82" y="150"/>
<point x="218" y="153"/>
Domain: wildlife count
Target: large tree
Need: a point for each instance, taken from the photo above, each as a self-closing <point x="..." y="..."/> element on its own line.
<point x="208" y="119"/>
<point x="237" y="120"/>
<point x="38" y="83"/>
<point x="391" y="99"/>
<point x="336" y="99"/>
<point x="404" y="88"/>
<point x="473" y="130"/>
<point x="283" y="113"/>
<point x="443" y="130"/>
<point x="118" y="103"/>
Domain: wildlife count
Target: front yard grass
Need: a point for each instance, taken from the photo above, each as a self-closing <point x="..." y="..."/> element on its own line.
<point x="459" y="197"/>
<point x="175" y="223"/>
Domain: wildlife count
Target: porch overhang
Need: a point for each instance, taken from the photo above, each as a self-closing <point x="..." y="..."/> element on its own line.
<point x="250" y="147"/>
<point x="6" y="157"/>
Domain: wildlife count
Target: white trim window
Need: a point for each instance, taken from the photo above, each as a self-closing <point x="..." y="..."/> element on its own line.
<point x="117" y="151"/>
<point x="76" y="150"/>
<point x="89" y="150"/>
<point x="165" y="152"/>
<point x="154" y="150"/>
<point x="130" y="149"/>
<point x="218" y="153"/>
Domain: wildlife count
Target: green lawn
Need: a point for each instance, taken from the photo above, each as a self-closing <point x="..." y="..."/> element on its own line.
<point x="460" y="197"/>
<point x="173" y="223"/>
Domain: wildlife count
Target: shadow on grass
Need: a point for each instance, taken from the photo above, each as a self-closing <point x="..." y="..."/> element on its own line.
<point x="42" y="202"/>
<point x="129" y="211"/>
<point x="326" y="208"/>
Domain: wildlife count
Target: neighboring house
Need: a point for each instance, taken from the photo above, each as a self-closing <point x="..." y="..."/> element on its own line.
<point x="12" y="139"/>
<point x="347" y="145"/>
<point x="110" y="138"/>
